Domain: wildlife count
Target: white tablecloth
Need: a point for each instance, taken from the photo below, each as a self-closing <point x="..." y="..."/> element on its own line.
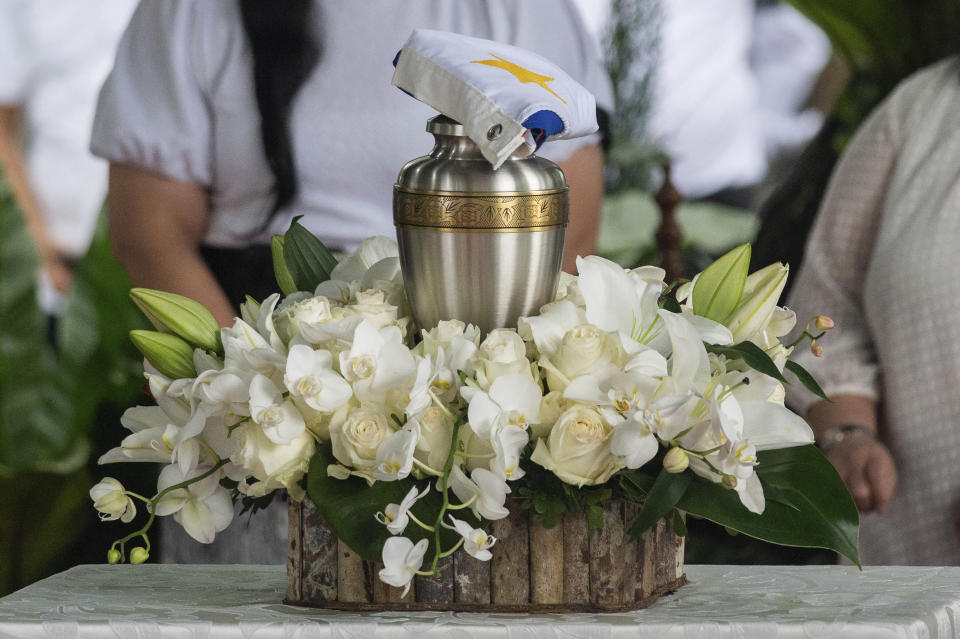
<point x="243" y="602"/>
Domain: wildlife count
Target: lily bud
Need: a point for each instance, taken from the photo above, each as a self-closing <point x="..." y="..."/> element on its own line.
<point x="168" y="353"/>
<point x="760" y="296"/>
<point x="139" y="555"/>
<point x="718" y="289"/>
<point x="822" y="323"/>
<point x="280" y="270"/>
<point x="113" y="556"/>
<point x="182" y="316"/>
<point x="676" y="460"/>
<point x="729" y="482"/>
<point x="816" y="349"/>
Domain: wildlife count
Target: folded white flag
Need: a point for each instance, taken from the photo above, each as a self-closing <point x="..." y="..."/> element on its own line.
<point x="508" y="99"/>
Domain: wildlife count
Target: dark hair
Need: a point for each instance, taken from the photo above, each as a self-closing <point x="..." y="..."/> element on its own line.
<point x="285" y="52"/>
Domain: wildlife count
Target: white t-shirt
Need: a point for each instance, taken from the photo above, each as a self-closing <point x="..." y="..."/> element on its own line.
<point x="54" y="55"/>
<point x="180" y="101"/>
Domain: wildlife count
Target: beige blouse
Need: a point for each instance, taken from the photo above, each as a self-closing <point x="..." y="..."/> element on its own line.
<point x="883" y="260"/>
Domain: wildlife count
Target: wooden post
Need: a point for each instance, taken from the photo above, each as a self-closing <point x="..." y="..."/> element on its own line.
<point x="471" y="582"/>
<point x="576" y="558"/>
<point x="510" y="569"/>
<point x="606" y="565"/>
<point x="546" y="563"/>
<point x="294" y="554"/>
<point x="669" y="236"/>
<point x="437" y="589"/>
<point x="351" y="575"/>
<point x="318" y="561"/>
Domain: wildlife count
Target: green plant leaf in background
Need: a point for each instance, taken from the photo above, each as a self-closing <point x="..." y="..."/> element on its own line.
<point x="308" y="261"/>
<point x="806" y="379"/>
<point x="349" y="505"/>
<point x="808" y="505"/>
<point x="719" y="287"/>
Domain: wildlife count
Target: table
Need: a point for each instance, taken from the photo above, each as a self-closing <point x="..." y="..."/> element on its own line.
<point x="737" y="602"/>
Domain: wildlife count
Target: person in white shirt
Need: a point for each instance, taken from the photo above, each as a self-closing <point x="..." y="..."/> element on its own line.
<point x="54" y="55"/>
<point x="223" y="120"/>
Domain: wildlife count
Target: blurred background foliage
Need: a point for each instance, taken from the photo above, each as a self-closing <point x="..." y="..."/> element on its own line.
<point x="882" y="42"/>
<point x="58" y="408"/>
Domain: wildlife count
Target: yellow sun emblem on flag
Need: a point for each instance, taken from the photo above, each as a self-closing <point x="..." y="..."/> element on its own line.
<point x="526" y="76"/>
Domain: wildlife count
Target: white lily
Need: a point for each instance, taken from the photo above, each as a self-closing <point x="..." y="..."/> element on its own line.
<point x="401" y="561"/>
<point x="277" y="416"/>
<point x="244" y="347"/>
<point x="488" y="492"/>
<point x="395" y="453"/>
<point x="760" y="295"/>
<point x="476" y="542"/>
<point x="396" y="516"/>
<point x="513" y="400"/>
<point x="371" y="251"/>
<point x="261" y="316"/>
<point x="203" y="508"/>
<point x="112" y="501"/>
<point x="310" y="376"/>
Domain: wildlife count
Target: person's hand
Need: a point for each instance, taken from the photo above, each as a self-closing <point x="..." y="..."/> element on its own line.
<point x="56" y="266"/>
<point x="867" y="467"/>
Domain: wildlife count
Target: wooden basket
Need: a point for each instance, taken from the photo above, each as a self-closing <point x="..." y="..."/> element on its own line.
<point x="533" y="569"/>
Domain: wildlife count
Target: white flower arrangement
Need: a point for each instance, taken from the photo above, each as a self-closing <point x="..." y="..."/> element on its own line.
<point x="616" y="386"/>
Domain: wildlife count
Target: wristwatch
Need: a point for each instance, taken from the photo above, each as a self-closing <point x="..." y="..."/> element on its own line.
<point x="833" y="436"/>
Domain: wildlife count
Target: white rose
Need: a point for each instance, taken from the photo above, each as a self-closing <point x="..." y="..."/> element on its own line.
<point x="436" y="429"/>
<point x="503" y="352"/>
<point x="568" y="289"/>
<point x="296" y="308"/>
<point x="372" y="304"/>
<point x="274" y="465"/>
<point x="582" y="350"/>
<point x="552" y="406"/>
<point x="578" y="448"/>
<point x="356" y="438"/>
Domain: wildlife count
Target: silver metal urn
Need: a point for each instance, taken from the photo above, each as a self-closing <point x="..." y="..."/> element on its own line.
<point x="480" y="245"/>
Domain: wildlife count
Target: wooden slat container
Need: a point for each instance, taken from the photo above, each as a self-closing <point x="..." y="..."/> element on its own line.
<point x="533" y="569"/>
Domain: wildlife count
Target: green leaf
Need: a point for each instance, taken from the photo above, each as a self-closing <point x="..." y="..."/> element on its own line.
<point x="753" y="355"/>
<point x="810" y="506"/>
<point x="662" y="496"/>
<point x="806" y="379"/>
<point x="280" y="270"/>
<point x="679" y="523"/>
<point x="720" y="286"/>
<point x="308" y="261"/>
<point x="671" y="304"/>
<point x="349" y="505"/>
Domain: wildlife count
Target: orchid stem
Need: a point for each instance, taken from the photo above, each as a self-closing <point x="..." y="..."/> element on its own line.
<point x="427" y="469"/>
<point x="444" y="481"/>
<point x="465" y="504"/>
<point x="415" y="520"/>
<point x="447" y="553"/>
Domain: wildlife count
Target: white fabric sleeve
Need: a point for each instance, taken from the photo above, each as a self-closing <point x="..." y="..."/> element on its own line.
<point x="831" y="280"/>
<point x="152" y="112"/>
<point x="555" y="30"/>
<point x="16" y="58"/>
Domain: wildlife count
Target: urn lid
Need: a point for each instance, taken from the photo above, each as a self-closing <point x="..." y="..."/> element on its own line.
<point x="455" y="165"/>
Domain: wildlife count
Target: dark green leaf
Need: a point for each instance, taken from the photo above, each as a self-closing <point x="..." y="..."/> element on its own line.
<point x="349" y="505"/>
<point x="679" y="523"/>
<point x="671" y="304"/>
<point x="662" y="496"/>
<point x="819" y="511"/>
<point x="752" y="355"/>
<point x="806" y="379"/>
<point x="309" y="262"/>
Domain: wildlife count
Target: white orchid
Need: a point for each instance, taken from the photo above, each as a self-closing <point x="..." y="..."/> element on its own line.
<point x="203" y="508"/>
<point x="377" y="360"/>
<point x="486" y="492"/>
<point x="476" y="542"/>
<point x="635" y="442"/>
<point x="310" y="376"/>
<point x="112" y="502"/>
<point x="276" y="415"/>
<point x="395" y="453"/>
<point x="513" y="400"/>
<point x="401" y="561"/>
<point x="244" y="348"/>
<point x="508" y="442"/>
<point x="396" y="516"/>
